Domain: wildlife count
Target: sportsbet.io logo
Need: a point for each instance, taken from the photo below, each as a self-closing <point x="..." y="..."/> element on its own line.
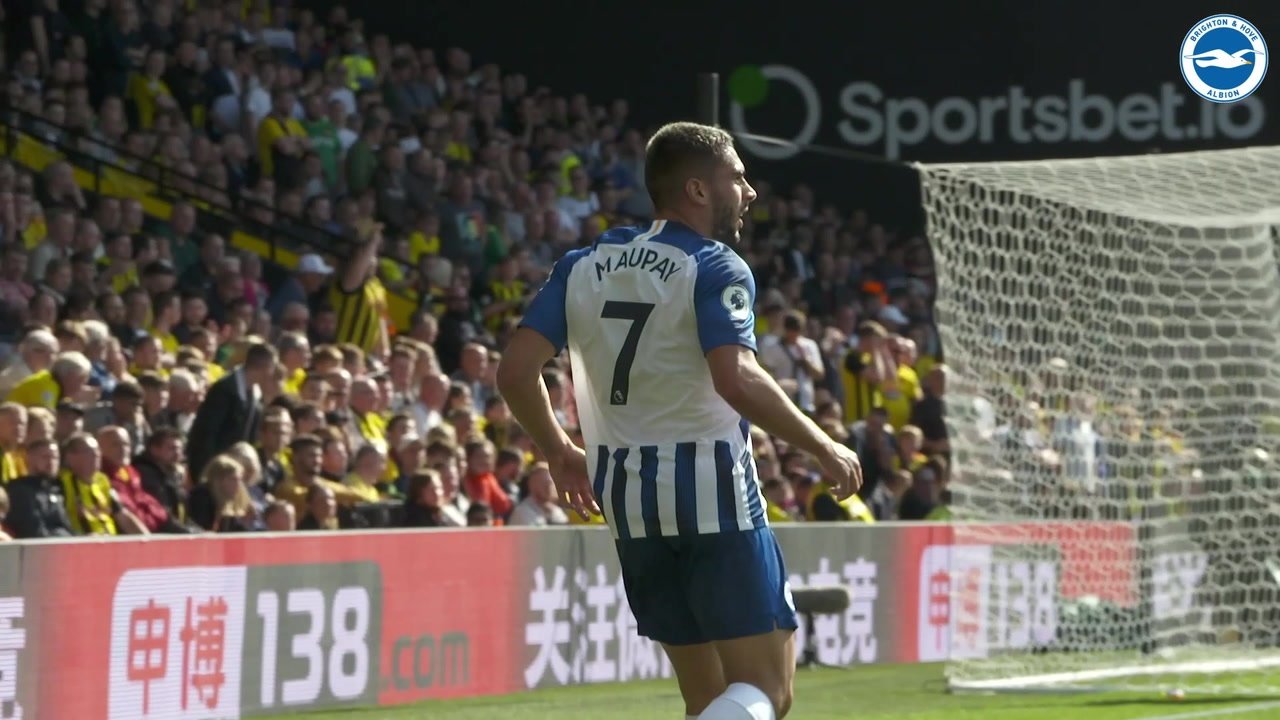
<point x="776" y="111"/>
<point x="1224" y="58"/>
<point x="749" y="87"/>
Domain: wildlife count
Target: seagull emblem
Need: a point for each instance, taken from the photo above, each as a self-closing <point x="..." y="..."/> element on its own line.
<point x="1218" y="58"/>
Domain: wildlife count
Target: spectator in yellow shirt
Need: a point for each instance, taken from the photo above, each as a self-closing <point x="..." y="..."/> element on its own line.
<point x="68" y="377"/>
<point x="364" y="401"/>
<point x="365" y="478"/>
<point x="282" y="141"/>
<point x="900" y="404"/>
<point x="168" y="311"/>
<point x="306" y="456"/>
<point x="780" y="500"/>
<point x="459" y="145"/>
<point x="393" y="266"/>
<point x="148" y="92"/>
<point x="295" y="356"/>
<point x="361" y="72"/>
<point x="865" y="372"/>
<point x="35" y="353"/>
<point x="117" y="265"/>
<point x="92" y="506"/>
<point x="13" y="434"/>
<point x="909" y="439"/>
<point x="148" y="357"/>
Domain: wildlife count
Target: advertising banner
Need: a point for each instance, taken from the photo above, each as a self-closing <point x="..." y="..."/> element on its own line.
<point x="230" y="627"/>
<point x="17" y="664"/>
<point x="227" y="627"/>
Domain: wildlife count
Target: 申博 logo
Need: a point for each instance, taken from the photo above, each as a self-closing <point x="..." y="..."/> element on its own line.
<point x="1224" y="58"/>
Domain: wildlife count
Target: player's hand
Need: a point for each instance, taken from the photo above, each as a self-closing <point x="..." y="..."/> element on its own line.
<point x="569" y="471"/>
<point x="842" y="470"/>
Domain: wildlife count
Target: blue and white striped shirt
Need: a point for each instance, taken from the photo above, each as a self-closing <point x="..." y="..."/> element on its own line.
<point x="638" y="312"/>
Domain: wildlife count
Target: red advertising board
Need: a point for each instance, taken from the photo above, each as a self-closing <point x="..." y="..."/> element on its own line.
<point x="188" y="628"/>
<point x="114" y="616"/>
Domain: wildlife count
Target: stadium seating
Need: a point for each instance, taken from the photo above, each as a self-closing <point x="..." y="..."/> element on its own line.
<point x="285" y="134"/>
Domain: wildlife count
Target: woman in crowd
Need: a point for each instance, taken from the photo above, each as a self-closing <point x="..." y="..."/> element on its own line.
<point x="221" y="503"/>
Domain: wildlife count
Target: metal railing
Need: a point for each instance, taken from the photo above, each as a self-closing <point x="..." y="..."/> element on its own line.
<point x="110" y="165"/>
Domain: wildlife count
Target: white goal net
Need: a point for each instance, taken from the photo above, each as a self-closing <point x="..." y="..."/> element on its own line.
<point x="1113" y="327"/>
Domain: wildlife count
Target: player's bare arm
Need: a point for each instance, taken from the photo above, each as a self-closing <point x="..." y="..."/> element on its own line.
<point x="754" y="394"/>
<point x="521" y="385"/>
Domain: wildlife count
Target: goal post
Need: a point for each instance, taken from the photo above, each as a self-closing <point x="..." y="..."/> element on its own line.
<point x="1112" y="326"/>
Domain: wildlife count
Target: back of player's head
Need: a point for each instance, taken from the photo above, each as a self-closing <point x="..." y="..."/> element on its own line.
<point x="680" y="151"/>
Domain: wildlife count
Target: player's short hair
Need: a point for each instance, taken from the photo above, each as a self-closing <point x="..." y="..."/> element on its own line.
<point x="678" y="151"/>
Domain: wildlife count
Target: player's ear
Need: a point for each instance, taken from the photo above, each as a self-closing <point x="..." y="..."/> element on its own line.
<point x="697" y="191"/>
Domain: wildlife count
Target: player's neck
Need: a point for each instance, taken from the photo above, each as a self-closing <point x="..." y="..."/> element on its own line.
<point x="702" y="227"/>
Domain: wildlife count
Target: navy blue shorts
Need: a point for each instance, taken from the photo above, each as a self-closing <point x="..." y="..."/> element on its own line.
<point x="686" y="590"/>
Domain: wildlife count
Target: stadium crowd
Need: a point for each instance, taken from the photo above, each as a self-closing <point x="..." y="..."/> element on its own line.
<point x="157" y="382"/>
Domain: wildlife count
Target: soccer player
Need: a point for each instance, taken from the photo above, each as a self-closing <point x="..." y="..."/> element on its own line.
<point x="659" y="323"/>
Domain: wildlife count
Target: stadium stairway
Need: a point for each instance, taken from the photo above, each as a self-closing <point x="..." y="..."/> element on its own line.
<point x="24" y="140"/>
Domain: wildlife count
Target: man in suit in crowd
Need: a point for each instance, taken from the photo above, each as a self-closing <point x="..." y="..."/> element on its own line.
<point x="232" y="409"/>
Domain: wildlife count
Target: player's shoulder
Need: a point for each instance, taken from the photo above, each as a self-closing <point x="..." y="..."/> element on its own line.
<point x="718" y="264"/>
<point x="565" y="264"/>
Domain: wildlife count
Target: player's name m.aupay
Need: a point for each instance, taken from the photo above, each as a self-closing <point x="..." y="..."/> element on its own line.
<point x="642" y="258"/>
